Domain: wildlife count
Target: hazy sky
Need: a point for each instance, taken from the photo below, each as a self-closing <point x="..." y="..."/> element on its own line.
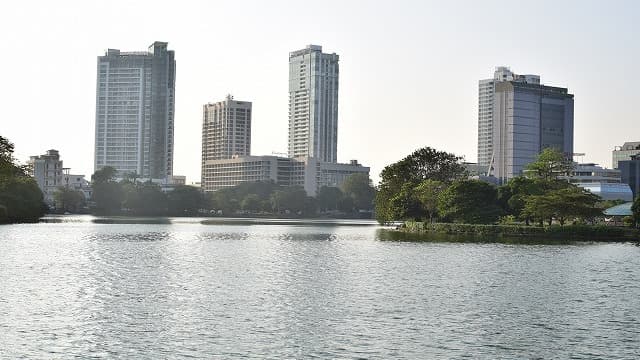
<point x="409" y="70"/>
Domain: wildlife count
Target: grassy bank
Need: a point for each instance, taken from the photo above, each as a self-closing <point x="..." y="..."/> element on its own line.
<point x="505" y="232"/>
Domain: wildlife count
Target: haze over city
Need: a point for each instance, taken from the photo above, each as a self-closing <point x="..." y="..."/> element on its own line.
<point x="409" y="71"/>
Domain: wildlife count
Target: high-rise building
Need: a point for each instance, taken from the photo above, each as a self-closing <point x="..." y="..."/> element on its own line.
<point x="486" y="91"/>
<point x="135" y="111"/>
<point x="313" y="104"/>
<point x="226" y="130"/>
<point x="517" y="118"/>
<point x="624" y="152"/>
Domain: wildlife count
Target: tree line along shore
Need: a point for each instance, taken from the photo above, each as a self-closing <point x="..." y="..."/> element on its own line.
<point x="431" y="193"/>
<point x="425" y="189"/>
<point x="21" y="200"/>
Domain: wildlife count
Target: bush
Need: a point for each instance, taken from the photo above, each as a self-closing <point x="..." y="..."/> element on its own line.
<point x="575" y="232"/>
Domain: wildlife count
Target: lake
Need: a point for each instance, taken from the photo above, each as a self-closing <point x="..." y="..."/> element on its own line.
<point x="74" y="288"/>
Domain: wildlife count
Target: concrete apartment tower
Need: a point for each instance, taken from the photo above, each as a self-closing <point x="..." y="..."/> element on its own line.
<point x="135" y="104"/>
<point x="486" y="91"/>
<point x="313" y="104"/>
<point x="528" y="117"/>
<point x="226" y="131"/>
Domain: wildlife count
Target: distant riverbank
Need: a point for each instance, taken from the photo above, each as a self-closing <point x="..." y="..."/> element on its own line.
<point x="508" y="233"/>
<point x="205" y="220"/>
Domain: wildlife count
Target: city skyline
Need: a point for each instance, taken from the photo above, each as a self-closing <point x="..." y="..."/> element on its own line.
<point x="385" y="109"/>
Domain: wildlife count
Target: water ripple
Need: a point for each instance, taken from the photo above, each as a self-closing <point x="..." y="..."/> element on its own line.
<point x="78" y="289"/>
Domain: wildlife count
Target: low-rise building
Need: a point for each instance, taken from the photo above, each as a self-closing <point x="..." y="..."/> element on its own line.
<point x="630" y="173"/>
<point x="603" y="182"/>
<point x="47" y="170"/>
<point x="310" y="173"/>
<point x="624" y="152"/>
<point x="77" y="183"/>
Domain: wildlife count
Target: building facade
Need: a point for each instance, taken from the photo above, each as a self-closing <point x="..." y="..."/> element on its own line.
<point x="48" y="172"/>
<point x="526" y="119"/>
<point x="624" y="152"/>
<point x="309" y="173"/>
<point x="605" y="183"/>
<point x="135" y="104"/>
<point x="630" y="173"/>
<point x="226" y="130"/>
<point x="313" y="104"/>
<point x="486" y="92"/>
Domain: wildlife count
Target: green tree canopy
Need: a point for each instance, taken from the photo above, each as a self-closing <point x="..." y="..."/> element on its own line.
<point x="570" y="202"/>
<point x="427" y="193"/>
<point x="470" y="201"/>
<point x="550" y="164"/>
<point x="399" y="179"/>
<point x="328" y="198"/>
<point x="358" y="187"/>
<point x="251" y="202"/>
<point x="184" y="201"/>
<point x="68" y="200"/>
<point x="635" y="209"/>
<point x="108" y="195"/>
<point x="21" y="200"/>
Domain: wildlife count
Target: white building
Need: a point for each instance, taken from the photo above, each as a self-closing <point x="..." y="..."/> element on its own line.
<point x="135" y="99"/>
<point x="605" y="183"/>
<point x="310" y="173"/>
<point x="77" y="183"/>
<point x="313" y="104"/>
<point x="47" y="170"/>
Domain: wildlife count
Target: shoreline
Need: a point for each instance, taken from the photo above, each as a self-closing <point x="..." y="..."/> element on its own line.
<point x="450" y="232"/>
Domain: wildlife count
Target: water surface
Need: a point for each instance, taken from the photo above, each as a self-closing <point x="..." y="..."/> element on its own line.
<point x="77" y="289"/>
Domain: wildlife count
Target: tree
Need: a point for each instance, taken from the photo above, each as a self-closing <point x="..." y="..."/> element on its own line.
<point x="21" y="200"/>
<point x="251" y="202"/>
<point x="635" y="210"/>
<point x="470" y="201"/>
<point x="358" y="187"/>
<point x="153" y="202"/>
<point x="184" y="201"/>
<point x="328" y="198"/>
<point x="563" y="204"/>
<point x="106" y="174"/>
<point x="107" y="194"/>
<point x="512" y="196"/>
<point x="68" y="200"/>
<point x="400" y="178"/>
<point x="550" y="164"/>
<point x="427" y="194"/>
<point x="289" y="198"/>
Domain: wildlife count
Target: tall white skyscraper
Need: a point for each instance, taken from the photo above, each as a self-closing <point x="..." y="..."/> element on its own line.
<point x="313" y="104"/>
<point x="135" y="111"/>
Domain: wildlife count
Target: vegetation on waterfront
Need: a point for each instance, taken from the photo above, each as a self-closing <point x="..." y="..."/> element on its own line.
<point x="129" y="197"/>
<point x="496" y="232"/>
<point x="432" y="186"/>
<point x="20" y="198"/>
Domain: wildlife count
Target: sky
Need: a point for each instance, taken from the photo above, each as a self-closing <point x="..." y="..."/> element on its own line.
<point x="409" y="70"/>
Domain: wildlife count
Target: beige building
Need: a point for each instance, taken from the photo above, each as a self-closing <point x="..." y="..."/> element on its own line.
<point x="307" y="172"/>
<point x="226" y="129"/>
